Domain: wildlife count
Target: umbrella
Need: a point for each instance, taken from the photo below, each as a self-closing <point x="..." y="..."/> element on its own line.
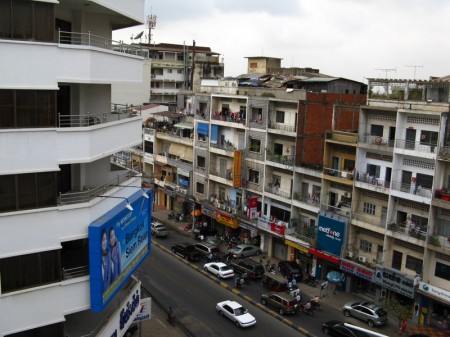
<point x="335" y="277"/>
<point x="196" y="212"/>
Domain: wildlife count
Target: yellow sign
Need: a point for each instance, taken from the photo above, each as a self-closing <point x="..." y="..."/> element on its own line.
<point x="296" y="246"/>
<point x="226" y="220"/>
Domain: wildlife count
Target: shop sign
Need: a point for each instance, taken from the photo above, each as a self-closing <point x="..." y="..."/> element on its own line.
<point x="324" y="256"/>
<point x="209" y="211"/>
<point x="226" y="219"/>
<point x="296" y="246"/>
<point x="253" y="202"/>
<point x="183" y="172"/>
<point x="330" y="234"/>
<point x="358" y="270"/>
<point x="434" y="291"/>
<point x="277" y="228"/>
<point x="263" y="224"/>
<point x="395" y="280"/>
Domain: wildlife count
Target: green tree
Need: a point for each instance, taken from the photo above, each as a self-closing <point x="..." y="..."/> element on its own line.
<point x="395" y="309"/>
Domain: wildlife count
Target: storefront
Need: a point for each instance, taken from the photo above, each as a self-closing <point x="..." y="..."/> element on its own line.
<point x="249" y="234"/>
<point x="393" y="283"/>
<point x="358" y="278"/>
<point x="434" y="306"/>
<point x="301" y="255"/>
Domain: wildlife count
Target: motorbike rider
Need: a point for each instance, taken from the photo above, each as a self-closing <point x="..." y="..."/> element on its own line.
<point x="307" y="307"/>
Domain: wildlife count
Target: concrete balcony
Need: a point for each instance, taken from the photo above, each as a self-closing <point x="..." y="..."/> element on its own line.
<point x="347" y="138"/>
<point x="416" y="149"/>
<point x="376" y="143"/>
<point x="175" y="138"/>
<point x="342" y="177"/>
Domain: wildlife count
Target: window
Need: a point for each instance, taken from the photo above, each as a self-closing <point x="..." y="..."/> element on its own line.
<point x="27" y="20"/>
<point x="442" y="271"/>
<point x="180" y="71"/>
<point x="255" y="145"/>
<point x="31" y="270"/>
<point x="376" y="130"/>
<point x="413" y="263"/>
<point x="242" y="111"/>
<point x="278" y="149"/>
<point x="253" y="65"/>
<point x="373" y="170"/>
<point x="253" y="176"/>
<point x="279" y="117"/>
<point x="349" y="165"/>
<point x="201" y="162"/>
<point x="369" y="208"/>
<point x="200" y="188"/>
<point x="169" y="71"/>
<point x="276" y="181"/>
<point x="256" y="114"/>
<point x="365" y="246"/>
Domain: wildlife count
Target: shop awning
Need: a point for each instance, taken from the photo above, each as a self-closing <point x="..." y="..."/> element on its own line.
<point x="176" y="150"/>
<point x="187" y="153"/>
<point x="184" y="126"/>
<point x="202" y="129"/>
<point x="196" y="212"/>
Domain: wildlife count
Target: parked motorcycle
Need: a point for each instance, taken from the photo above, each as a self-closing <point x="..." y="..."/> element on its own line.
<point x="311" y="281"/>
<point x="239" y="281"/>
<point x="271" y="268"/>
<point x="171" y="216"/>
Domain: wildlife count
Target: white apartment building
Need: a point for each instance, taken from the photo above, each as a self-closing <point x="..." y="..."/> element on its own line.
<point x="61" y="182"/>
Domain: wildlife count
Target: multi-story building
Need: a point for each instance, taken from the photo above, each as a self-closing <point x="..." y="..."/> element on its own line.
<point x="400" y="225"/>
<point x="180" y="68"/>
<point x="68" y="203"/>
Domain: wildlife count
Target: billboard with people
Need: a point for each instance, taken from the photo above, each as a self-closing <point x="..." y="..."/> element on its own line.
<point x="118" y="242"/>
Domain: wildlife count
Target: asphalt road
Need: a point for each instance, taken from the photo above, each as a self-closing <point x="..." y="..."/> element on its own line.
<point x="193" y="297"/>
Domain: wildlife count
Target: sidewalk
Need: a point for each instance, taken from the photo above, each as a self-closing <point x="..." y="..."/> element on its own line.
<point x="328" y="298"/>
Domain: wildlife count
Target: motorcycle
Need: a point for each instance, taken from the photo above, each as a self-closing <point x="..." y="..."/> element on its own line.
<point x="171" y="216"/>
<point x="307" y="308"/>
<point x="271" y="268"/>
<point x="311" y="281"/>
<point x="239" y="282"/>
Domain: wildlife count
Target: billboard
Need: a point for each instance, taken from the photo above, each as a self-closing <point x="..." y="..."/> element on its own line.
<point x="118" y="242"/>
<point x="330" y="234"/>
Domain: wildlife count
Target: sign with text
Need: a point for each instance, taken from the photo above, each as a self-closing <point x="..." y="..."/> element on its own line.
<point x="330" y="234"/>
<point x="356" y="269"/>
<point x="434" y="291"/>
<point x="395" y="280"/>
<point x="226" y="219"/>
<point x="209" y="211"/>
<point x="118" y="242"/>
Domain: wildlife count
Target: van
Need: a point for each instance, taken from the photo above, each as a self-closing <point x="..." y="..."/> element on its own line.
<point x="283" y="303"/>
<point x="206" y="249"/>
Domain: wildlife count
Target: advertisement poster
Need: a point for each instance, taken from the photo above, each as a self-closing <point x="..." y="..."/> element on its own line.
<point x="330" y="235"/>
<point x="118" y="242"/>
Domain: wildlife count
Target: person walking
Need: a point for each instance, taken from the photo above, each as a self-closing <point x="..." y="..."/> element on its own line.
<point x="403" y="326"/>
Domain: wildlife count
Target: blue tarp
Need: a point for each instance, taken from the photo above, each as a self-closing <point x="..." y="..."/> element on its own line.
<point x="335" y="277"/>
<point x="202" y="129"/>
<point x="214" y="134"/>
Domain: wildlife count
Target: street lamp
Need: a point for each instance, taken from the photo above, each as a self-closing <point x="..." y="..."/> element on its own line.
<point x="128" y="206"/>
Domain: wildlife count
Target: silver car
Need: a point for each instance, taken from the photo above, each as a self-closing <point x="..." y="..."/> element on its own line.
<point x="366" y="311"/>
<point x="159" y="230"/>
<point x="241" y="251"/>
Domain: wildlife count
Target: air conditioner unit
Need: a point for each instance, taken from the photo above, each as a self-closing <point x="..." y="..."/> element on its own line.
<point x="234" y="211"/>
<point x="229" y="209"/>
<point x="362" y="259"/>
<point x="222" y="206"/>
<point x="349" y="254"/>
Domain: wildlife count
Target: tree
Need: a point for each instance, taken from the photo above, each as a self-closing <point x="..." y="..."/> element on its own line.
<point x="395" y="309"/>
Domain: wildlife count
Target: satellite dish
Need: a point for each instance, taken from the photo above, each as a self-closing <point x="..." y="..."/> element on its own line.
<point x="139" y="35"/>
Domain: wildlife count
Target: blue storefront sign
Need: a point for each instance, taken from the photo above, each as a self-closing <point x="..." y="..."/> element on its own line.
<point x="118" y="242"/>
<point x="330" y="234"/>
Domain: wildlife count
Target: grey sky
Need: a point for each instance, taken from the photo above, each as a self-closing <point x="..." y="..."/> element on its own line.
<point x="343" y="38"/>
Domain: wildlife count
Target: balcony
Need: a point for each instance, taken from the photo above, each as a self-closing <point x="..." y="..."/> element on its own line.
<point x="344" y="209"/>
<point x="227" y="147"/>
<point x="411" y="146"/>
<point x="342" y="137"/>
<point x="368" y="221"/>
<point x="174" y="137"/>
<point x="343" y="177"/>
<point x="282" y="127"/>
<point x="224" y="177"/>
<point x="163" y="91"/>
<point x="363" y="180"/>
<point x="310" y="202"/>
<point x="412" y="188"/>
<point x="231" y="117"/>
<point x="409" y="232"/>
<point x="282" y="160"/>
<point x="277" y="191"/>
<point x="376" y="142"/>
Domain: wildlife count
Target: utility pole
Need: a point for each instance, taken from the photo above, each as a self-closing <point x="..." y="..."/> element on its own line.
<point x="386" y="70"/>
<point x="151" y="23"/>
<point x="415" y="68"/>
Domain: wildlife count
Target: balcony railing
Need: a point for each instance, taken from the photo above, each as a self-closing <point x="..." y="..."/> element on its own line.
<point x="343" y="209"/>
<point x="117" y="112"/>
<point x="339" y="174"/>
<point x="414" y="232"/>
<point x="226" y="175"/>
<point x="343" y="137"/>
<point x="284" y="160"/>
<point x="312" y="200"/>
<point x="364" y="177"/>
<point x="282" y="127"/>
<point x="232" y="117"/>
<point x="75" y="272"/>
<point x="88" y="39"/>
<point x="370" y="219"/>
<point x="89" y="193"/>
<point x="377" y="140"/>
<point x="412" y="188"/>
<point x="277" y="191"/>
<point x="415" y="146"/>
<point x="226" y="147"/>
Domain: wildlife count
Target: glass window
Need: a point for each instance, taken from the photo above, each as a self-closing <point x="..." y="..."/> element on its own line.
<point x="200" y="188"/>
<point x="413" y="263"/>
<point x="376" y="130"/>
<point x="442" y="271"/>
<point x="253" y="176"/>
<point x="369" y="208"/>
<point x="365" y="246"/>
<point x="201" y="161"/>
<point x="280" y="116"/>
<point x="255" y="145"/>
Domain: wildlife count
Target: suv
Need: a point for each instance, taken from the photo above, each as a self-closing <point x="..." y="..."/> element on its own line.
<point x="281" y="302"/>
<point x="250" y="267"/>
<point x="366" y="311"/>
<point x="205" y="249"/>
<point x="159" y="230"/>
<point x="205" y="231"/>
<point x="187" y="251"/>
<point x="290" y="269"/>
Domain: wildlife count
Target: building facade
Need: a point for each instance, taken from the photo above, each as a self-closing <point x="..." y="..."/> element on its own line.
<point x="61" y="179"/>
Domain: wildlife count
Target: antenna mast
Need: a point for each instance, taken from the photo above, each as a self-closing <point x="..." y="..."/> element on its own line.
<point x="386" y="70"/>
<point x="151" y="23"/>
<point x="415" y="68"/>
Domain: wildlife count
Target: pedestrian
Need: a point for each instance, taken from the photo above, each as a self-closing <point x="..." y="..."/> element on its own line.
<point x="402" y="330"/>
<point x="298" y="298"/>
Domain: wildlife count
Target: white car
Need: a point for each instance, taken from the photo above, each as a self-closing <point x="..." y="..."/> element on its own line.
<point x="220" y="269"/>
<point x="159" y="230"/>
<point x="236" y="312"/>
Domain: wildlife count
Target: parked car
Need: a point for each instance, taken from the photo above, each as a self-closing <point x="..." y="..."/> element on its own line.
<point x="366" y="311"/>
<point x="340" y="329"/>
<point x="281" y="302"/>
<point x="159" y="230"/>
<point x="243" y="250"/>
<point x="206" y="249"/>
<point x="290" y="269"/>
<point x="236" y="313"/>
<point x="220" y="269"/>
<point x="186" y="251"/>
<point x="205" y="231"/>
<point x="253" y="269"/>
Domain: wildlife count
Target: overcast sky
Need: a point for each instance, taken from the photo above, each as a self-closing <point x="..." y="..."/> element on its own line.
<point x="342" y="38"/>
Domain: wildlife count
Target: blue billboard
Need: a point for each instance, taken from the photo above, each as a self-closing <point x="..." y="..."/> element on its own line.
<point x="118" y="242"/>
<point x="331" y="234"/>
